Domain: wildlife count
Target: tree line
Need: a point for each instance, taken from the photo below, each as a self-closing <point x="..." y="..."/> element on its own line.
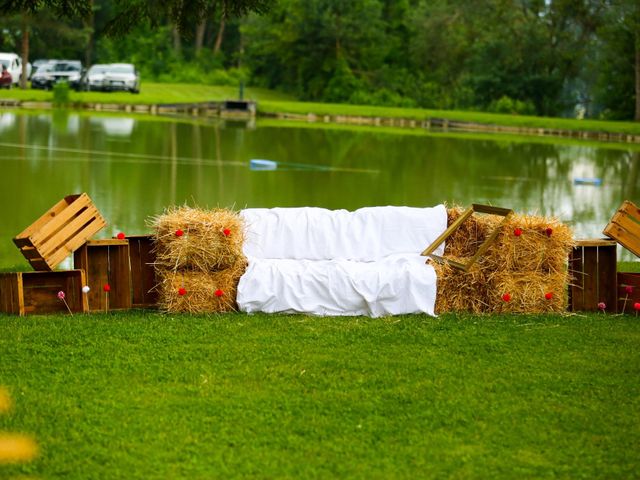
<point x="540" y="57"/>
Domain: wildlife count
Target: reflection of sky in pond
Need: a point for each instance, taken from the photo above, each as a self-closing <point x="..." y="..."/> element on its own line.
<point x="135" y="166"/>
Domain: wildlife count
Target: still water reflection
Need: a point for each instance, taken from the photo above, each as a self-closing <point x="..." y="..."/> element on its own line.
<point x="133" y="167"/>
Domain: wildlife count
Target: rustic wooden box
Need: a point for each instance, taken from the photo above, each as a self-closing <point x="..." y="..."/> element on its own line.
<point x="624" y="227"/>
<point x="626" y="300"/>
<point x="593" y="266"/>
<point x="106" y="262"/>
<point x="143" y="275"/>
<point x="24" y="293"/>
<point x="59" y="232"/>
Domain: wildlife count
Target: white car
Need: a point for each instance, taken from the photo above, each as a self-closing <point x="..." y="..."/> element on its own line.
<point x="121" y="76"/>
<point x="94" y="78"/>
<point x="13" y="63"/>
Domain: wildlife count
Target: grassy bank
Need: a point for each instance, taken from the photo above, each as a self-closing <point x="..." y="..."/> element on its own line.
<point x="144" y="395"/>
<point x="272" y="103"/>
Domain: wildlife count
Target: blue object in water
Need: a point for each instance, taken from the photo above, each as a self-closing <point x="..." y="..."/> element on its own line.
<point x="259" y="164"/>
<point x="588" y="181"/>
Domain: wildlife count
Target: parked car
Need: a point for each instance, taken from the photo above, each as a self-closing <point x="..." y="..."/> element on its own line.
<point x="121" y="76"/>
<point x="55" y="71"/>
<point x="13" y="62"/>
<point x="94" y="78"/>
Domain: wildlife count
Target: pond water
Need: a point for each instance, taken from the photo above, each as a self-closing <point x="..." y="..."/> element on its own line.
<point x="133" y="167"/>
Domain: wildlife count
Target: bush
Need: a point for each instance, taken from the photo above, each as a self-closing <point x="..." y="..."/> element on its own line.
<point x="515" y="107"/>
<point x="61" y="94"/>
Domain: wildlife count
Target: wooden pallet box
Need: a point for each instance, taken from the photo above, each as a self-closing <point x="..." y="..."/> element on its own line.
<point x="624" y="227"/>
<point x="59" y="232"/>
<point x="142" y="257"/>
<point x="627" y="300"/>
<point x="106" y="262"/>
<point x="593" y="266"/>
<point x="31" y="293"/>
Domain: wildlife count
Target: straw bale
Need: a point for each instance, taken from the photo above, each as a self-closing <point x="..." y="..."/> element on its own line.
<point x="534" y="250"/>
<point x="466" y="240"/>
<point x="459" y="291"/>
<point x="210" y="240"/>
<point x="528" y="290"/>
<point x="200" y="289"/>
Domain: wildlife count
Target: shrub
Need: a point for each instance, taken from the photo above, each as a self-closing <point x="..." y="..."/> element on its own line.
<point x="61" y="94"/>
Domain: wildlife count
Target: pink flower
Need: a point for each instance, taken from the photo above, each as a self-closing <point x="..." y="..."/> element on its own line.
<point x="602" y="306"/>
<point x="628" y="289"/>
<point x="61" y="295"/>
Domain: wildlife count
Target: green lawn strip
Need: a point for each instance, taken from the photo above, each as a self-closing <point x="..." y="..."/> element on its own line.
<point x="145" y="395"/>
<point x="272" y="102"/>
<point x="304" y="108"/>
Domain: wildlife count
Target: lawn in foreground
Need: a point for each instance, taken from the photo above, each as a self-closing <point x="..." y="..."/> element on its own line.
<point x="145" y="395"/>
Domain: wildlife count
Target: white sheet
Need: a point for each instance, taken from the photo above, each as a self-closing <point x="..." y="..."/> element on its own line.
<point x="398" y="284"/>
<point x="367" y="234"/>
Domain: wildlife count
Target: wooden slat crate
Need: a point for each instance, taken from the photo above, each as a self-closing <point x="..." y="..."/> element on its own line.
<point x="59" y="232"/>
<point x="25" y="293"/>
<point x="143" y="275"/>
<point x="106" y="262"/>
<point x="592" y="264"/>
<point x="624" y="227"/>
<point x="626" y="300"/>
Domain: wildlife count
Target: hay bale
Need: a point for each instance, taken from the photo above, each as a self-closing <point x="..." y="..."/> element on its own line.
<point x="543" y="245"/>
<point x="466" y="240"/>
<point x="528" y="292"/>
<point x="197" y="239"/>
<point x="459" y="291"/>
<point x="195" y="291"/>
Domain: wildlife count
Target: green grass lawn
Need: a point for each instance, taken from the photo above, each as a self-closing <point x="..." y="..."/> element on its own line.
<point x="144" y="395"/>
<point x="272" y="102"/>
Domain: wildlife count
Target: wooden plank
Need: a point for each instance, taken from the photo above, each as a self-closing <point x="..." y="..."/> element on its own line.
<point x="577" y="285"/>
<point x="121" y="277"/>
<point x="73" y="227"/>
<point x="60" y="220"/>
<point x="628" y="223"/>
<point x="143" y="275"/>
<point x="623" y="237"/>
<point x="40" y="264"/>
<point x="44" y="219"/>
<point x="607" y="284"/>
<point x="9" y="293"/>
<point x="76" y="234"/>
<point x="630" y="209"/>
<point x="590" y="270"/>
<point x="595" y="242"/>
<point x="30" y="253"/>
<point x="106" y="242"/>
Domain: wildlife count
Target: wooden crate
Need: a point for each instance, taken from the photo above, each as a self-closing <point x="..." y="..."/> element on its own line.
<point x="106" y="262"/>
<point x="624" y="227"/>
<point x="625" y="300"/>
<point x="59" y="232"/>
<point x="143" y="275"/>
<point x="24" y="293"/>
<point x="593" y="266"/>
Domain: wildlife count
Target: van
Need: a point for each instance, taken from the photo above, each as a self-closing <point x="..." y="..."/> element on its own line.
<point x="13" y="63"/>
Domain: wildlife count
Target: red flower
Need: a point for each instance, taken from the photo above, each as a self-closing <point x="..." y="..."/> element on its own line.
<point x="549" y="231"/>
<point x="506" y="297"/>
<point x="628" y="289"/>
<point x="182" y="291"/>
<point x="548" y="295"/>
<point x="179" y="233"/>
<point x="226" y="232"/>
<point x="121" y="236"/>
<point x="602" y="306"/>
<point x="219" y="293"/>
<point x="517" y="232"/>
<point x="106" y="287"/>
<point x="636" y="306"/>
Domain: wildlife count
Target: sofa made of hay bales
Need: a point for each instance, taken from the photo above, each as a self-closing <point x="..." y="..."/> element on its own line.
<point x="367" y="262"/>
